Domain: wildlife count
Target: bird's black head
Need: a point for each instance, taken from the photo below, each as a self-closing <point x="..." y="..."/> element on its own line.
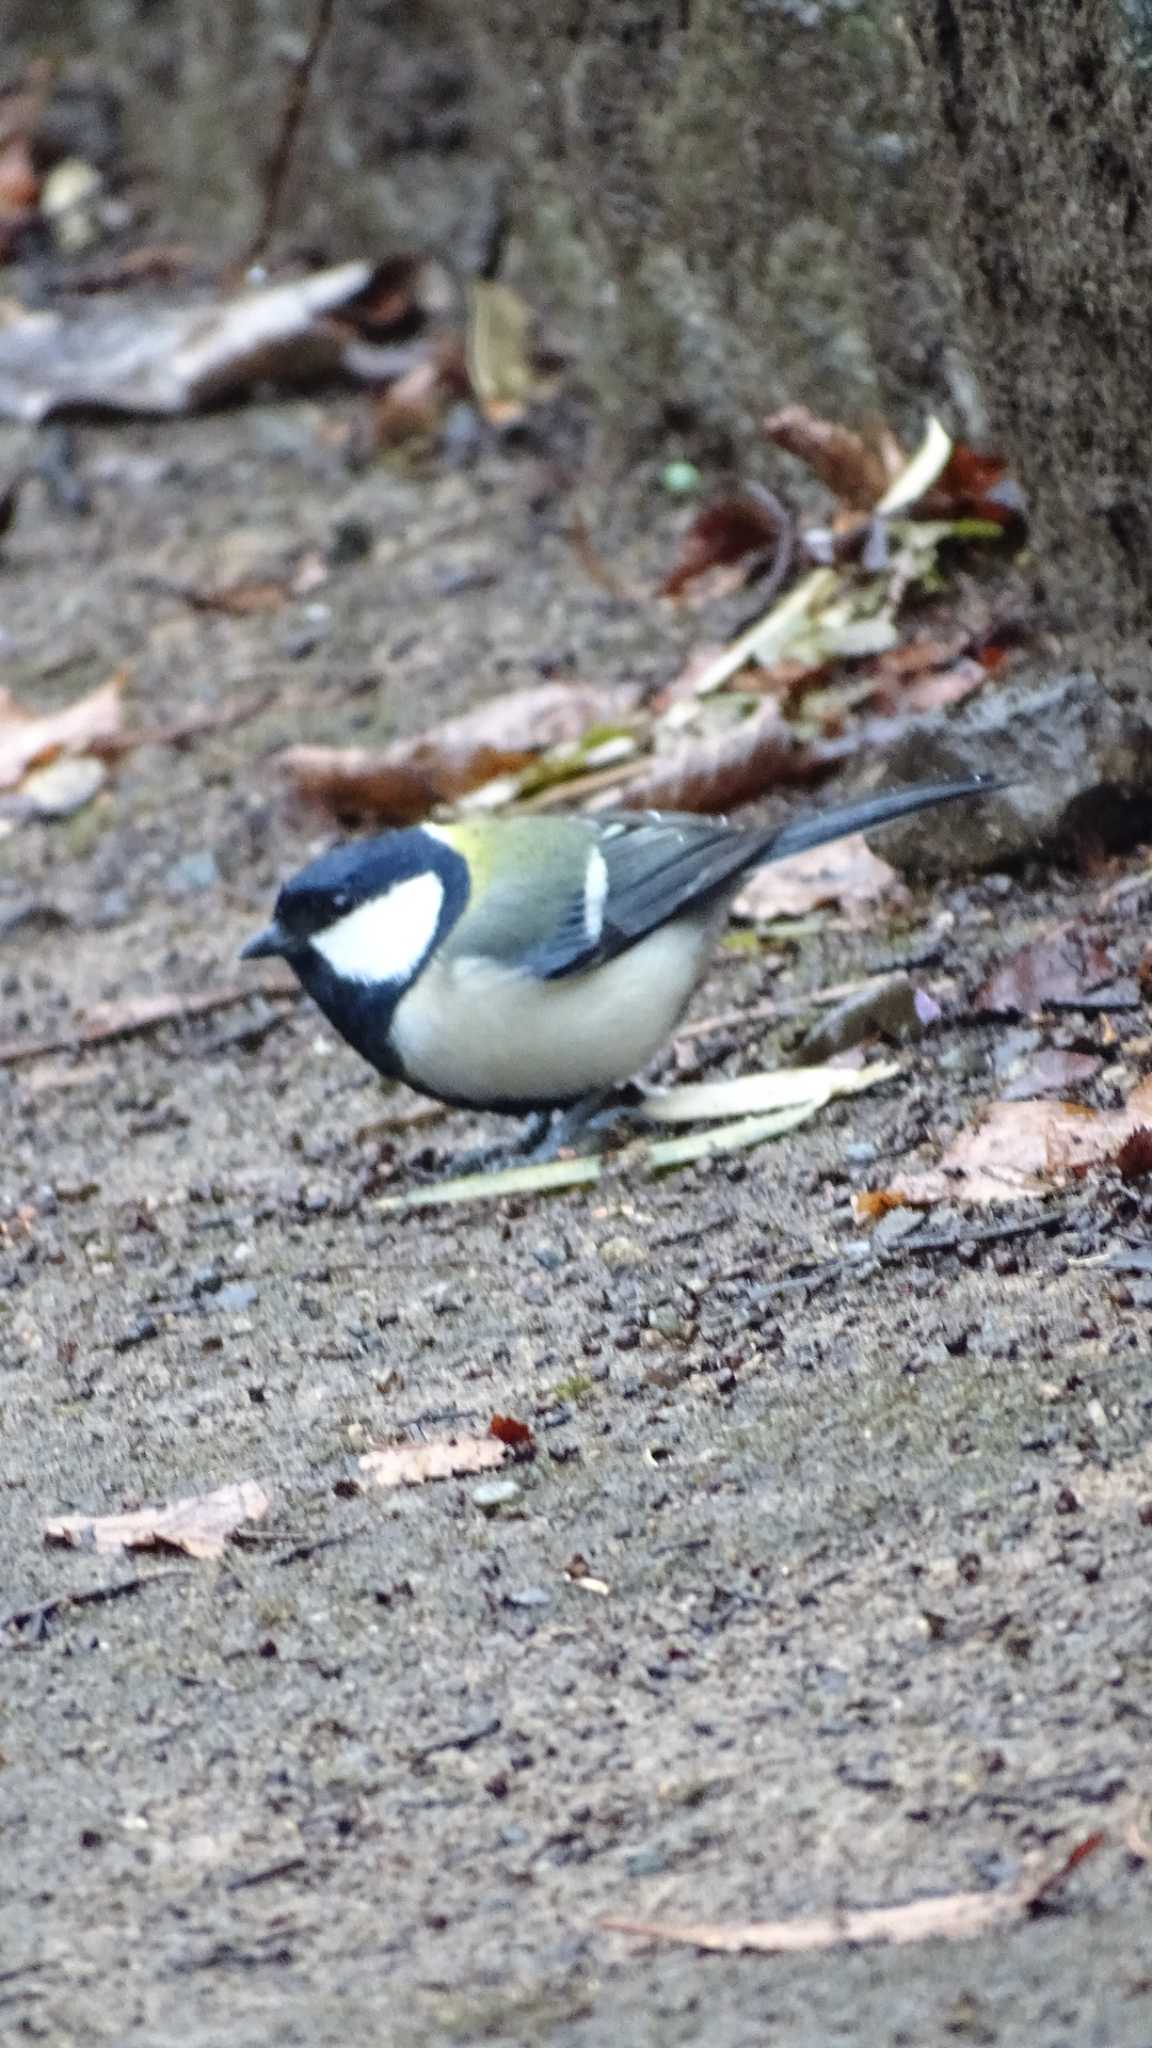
<point x="358" y="924"/>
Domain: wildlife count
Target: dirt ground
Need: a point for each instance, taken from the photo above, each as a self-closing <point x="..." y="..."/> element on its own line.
<point x="874" y="1522"/>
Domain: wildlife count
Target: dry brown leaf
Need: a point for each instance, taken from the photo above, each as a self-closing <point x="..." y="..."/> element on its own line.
<point x="846" y="872"/>
<point x="857" y="472"/>
<point x="744" y="524"/>
<point x="1025" y="1149"/>
<point x="200" y="1525"/>
<point x="89" y="726"/>
<point x="743" y="763"/>
<point x="416" y="1464"/>
<point x="953" y="1916"/>
<point x="1059" y="968"/>
<point x="949" y="686"/>
<point x="401" y="783"/>
<point x="509" y="1430"/>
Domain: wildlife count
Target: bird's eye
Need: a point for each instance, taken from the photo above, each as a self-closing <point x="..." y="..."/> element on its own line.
<point x="341" y="902"/>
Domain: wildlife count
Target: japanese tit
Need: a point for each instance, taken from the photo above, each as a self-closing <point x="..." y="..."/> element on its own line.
<point x="530" y="964"/>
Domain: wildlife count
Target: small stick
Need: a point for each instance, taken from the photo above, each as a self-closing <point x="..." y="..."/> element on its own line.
<point x="295" y="100"/>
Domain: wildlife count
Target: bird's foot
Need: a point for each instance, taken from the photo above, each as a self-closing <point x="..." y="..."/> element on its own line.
<point x="594" y="1118"/>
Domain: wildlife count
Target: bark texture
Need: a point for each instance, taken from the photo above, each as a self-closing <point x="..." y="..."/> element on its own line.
<point x="727" y="197"/>
<point x="1043" y="152"/>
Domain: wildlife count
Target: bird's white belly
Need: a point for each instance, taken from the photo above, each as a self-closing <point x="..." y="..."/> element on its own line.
<point x="475" y="1032"/>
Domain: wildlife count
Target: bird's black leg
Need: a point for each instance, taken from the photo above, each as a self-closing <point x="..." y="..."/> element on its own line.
<point x="593" y="1114"/>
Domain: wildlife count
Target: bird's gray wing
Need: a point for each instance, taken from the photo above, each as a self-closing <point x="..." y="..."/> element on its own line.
<point x="652" y="868"/>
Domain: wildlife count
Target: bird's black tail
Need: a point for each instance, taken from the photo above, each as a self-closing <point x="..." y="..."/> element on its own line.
<point x="814" y="828"/>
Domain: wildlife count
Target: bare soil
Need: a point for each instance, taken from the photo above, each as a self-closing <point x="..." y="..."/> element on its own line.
<point x="874" y="1524"/>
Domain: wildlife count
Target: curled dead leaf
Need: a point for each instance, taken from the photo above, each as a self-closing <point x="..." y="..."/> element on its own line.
<point x="954" y="1916"/>
<point x="856" y="471"/>
<point x="399" y="784"/>
<point x="199" y="1525"/>
<point x="417" y="1464"/>
<point x="733" y="528"/>
<point x="91" y="725"/>
<point x="717" y="774"/>
<point x="507" y="1430"/>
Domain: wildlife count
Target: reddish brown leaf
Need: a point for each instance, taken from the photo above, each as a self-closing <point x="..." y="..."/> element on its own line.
<point x="1059" y="968"/>
<point x="416" y="1464"/>
<point x="1024" y="1149"/>
<point x="507" y="1430"/>
<point x="846" y="872"/>
<point x="761" y="754"/>
<point x="401" y="783"/>
<point x="1134" y="1158"/>
<point x="744" y="524"/>
<point x="971" y="485"/>
<point x="857" y="473"/>
<point x="200" y="1525"/>
<point x="19" y="184"/>
<point x="88" y="726"/>
<point x="954" y="1916"/>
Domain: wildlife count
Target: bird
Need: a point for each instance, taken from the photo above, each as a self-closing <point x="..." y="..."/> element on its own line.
<point x="533" y="965"/>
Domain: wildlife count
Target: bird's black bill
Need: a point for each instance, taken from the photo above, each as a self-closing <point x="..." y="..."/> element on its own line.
<point x="266" y="945"/>
<point x="816" y="828"/>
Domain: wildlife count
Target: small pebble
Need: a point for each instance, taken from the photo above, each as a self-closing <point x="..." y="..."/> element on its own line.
<point x="493" y="1494"/>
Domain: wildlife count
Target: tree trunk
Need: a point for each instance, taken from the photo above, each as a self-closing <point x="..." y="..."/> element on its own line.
<point x="1044" y="164"/>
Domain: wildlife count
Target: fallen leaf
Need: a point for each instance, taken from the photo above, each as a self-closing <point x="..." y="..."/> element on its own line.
<point x="973" y="485"/>
<point x="1059" y="968"/>
<point x="1050" y="1072"/>
<point x="507" y="1430"/>
<point x="800" y="1094"/>
<point x="953" y="1916"/>
<point x="496" y="348"/>
<point x="172" y="359"/>
<point x="746" y="523"/>
<point x="413" y="406"/>
<point x="1023" y="1150"/>
<point x="735" y="767"/>
<point x="62" y="787"/>
<point x="416" y="1464"/>
<point x="28" y="739"/>
<point x="778" y="1088"/>
<point x="856" y="471"/>
<point x="847" y="873"/>
<point x="399" y="784"/>
<point x="1134" y="1158"/>
<point x="200" y="1525"/>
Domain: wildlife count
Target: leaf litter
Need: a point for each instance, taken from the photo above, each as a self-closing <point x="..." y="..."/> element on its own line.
<point x="951" y="1916"/>
<point x="1022" y="1151"/>
<point x="784" y="1101"/>
<point x="199" y="1525"/>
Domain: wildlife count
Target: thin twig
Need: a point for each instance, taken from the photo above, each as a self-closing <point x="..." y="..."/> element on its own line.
<point x="295" y="100"/>
<point x="38" y="1617"/>
<point x="14" y="1049"/>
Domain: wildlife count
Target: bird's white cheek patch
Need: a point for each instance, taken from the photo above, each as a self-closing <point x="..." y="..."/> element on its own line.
<point x="386" y="939"/>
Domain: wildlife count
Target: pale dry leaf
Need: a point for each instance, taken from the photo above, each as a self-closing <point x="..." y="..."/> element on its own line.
<point x="29" y="739"/>
<point x="497" y="350"/>
<point x="199" y="1525"/>
<point x="1023" y="1150"/>
<point x="846" y="872"/>
<point x="171" y="359"/>
<point x="1058" y="968"/>
<point x="953" y="1916"/>
<point x="416" y="1464"/>
<point x="399" y="784"/>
